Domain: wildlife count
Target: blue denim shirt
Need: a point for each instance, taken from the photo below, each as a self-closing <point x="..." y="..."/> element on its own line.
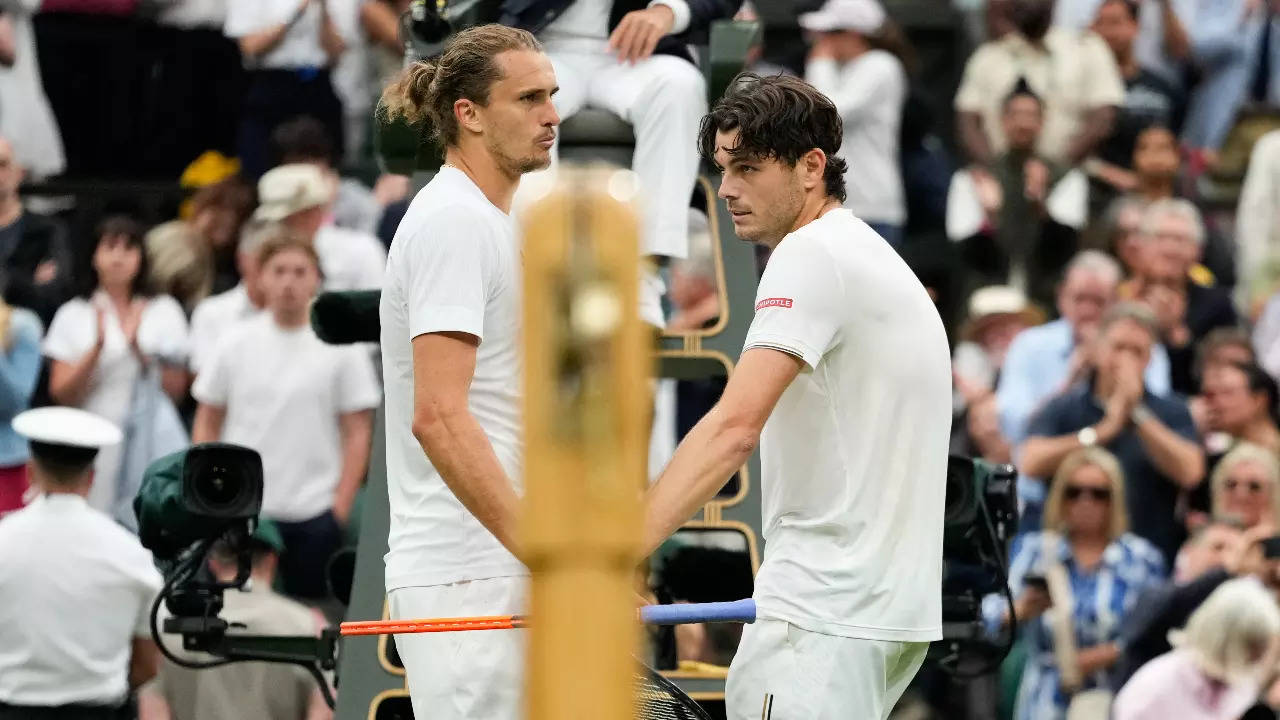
<point x="19" y="371"/>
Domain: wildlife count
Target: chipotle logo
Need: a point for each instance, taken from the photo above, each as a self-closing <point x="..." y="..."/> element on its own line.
<point x="773" y="302"/>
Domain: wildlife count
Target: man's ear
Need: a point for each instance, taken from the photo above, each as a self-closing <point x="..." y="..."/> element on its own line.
<point x="467" y="114"/>
<point x="814" y="165"/>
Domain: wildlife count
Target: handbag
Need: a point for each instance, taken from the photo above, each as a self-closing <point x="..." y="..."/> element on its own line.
<point x="1092" y="704"/>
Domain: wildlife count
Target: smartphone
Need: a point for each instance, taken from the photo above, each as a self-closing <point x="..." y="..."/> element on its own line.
<point x="1271" y="547"/>
<point x="1036" y="581"/>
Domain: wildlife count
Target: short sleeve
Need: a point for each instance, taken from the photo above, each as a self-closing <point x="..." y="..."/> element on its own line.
<point x="245" y="17"/>
<point x="973" y="93"/>
<point x="164" y="331"/>
<point x="203" y="335"/>
<point x="213" y="384"/>
<point x="1105" y="86"/>
<point x="71" y="333"/>
<point x="798" y="303"/>
<point x="150" y="586"/>
<point x="357" y="383"/>
<point x="450" y="268"/>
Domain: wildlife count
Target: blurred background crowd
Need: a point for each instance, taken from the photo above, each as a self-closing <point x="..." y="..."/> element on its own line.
<point x="1090" y="189"/>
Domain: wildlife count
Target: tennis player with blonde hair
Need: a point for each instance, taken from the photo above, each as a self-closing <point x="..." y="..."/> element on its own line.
<point x="450" y="315"/>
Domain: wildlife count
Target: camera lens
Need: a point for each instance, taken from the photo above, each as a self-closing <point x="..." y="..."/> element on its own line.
<point x="217" y="490"/>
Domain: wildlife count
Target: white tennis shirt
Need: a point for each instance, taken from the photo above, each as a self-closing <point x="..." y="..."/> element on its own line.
<point x="854" y="456"/>
<point x="453" y="266"/>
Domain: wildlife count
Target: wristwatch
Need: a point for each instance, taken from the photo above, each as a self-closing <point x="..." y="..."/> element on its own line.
<point x="1088" y="437"/>
<point x="1141" y="414"/>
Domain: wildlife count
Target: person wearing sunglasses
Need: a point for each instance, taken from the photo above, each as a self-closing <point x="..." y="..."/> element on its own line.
<point x="1244" y="486"/>
<point x="1086" y="541"/>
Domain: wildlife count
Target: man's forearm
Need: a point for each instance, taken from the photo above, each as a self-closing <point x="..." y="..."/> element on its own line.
<point x="1096" y="128"/>
<point x="357" y="430"/>
<point x="462" y="454"/>
<point x="973" y="139"/>
<point x="707" y="457"/>
<point x="1174" y="456"/>
<point x="1042" y="455"/>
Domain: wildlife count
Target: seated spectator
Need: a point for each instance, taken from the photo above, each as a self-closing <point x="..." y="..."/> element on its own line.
<point x="1155" y="164"/>
<point x="1154" y="437"/>
<point x="1149" y="98"/>
<point x="1207" y="548"/>
<point x="1046" y="360"/>
<point x="355" y="207"/>
<point x="1073" y="72"/>
<point x="1240" y="403"/>
<point x="1019" y="217"/>
<point x="1186" y="311"/>
<point x="242" y="690"/>
<point x="1246" y="487"/>
<point x="1122" y="222"/>
<point x="37" y="257"/>
<point x="857" y="60"/>
<point x="1224" y="346"/>
<point x="20" y="333"/>
<point x="120" y="352"/>
<point x="214" y="316"/>
<point x="305" y="406"/>
<point x="1258" y="220"/>
<point x="1220" y="661"/>
<point x="1087" y="554"/>
<point x="299" y="197"/>
<point x="996" y="315"/>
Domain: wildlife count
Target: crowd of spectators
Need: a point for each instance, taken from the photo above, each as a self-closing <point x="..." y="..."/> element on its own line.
<point x="1113" y="223"/>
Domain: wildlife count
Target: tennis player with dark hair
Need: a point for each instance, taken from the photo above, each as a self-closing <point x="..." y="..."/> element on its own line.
<point x="450" y="314"/>
<point x="845" y="383"/>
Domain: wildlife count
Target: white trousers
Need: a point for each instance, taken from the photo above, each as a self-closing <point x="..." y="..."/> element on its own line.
<point x="781" y="672"/>
<point x="663" y="98"/>
<point x="468" y="675"/>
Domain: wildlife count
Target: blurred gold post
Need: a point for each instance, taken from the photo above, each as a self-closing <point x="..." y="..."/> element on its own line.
<point x="585" y="417"/>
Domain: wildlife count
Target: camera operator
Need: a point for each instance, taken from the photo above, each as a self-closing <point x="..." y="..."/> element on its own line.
<point x="75" y="588"/>
<point x="259" y="690"/>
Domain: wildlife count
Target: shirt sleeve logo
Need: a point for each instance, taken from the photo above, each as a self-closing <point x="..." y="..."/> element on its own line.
<point x="773" y="302"/>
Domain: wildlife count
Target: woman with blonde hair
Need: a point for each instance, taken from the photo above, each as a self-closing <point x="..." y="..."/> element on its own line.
<point x="1218" y="664"/>
<point x="1244" y="486"/>
<point x="1089" y="569"/>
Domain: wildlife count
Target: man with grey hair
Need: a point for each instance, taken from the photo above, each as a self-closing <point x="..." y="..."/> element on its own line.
<point x="1153" y="437"/>
<point x="1168" y="280"/>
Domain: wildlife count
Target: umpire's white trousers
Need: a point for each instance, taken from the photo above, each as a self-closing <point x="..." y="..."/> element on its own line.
<point x="469" y="675"/>
<point x="781" y="672"/>
<point x="663" y="98"/>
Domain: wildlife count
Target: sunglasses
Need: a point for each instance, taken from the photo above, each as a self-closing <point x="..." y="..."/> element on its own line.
<point x="1074" y="492"/>
<point x="1253" y="486"/>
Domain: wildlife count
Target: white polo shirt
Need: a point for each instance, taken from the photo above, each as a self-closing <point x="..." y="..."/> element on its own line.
<point x="212" y="318"/>
<point x="854" y="456"/>
<point x="454" y="266"/>
<point x="75" y="589"/>
<point x="284" y="391"/>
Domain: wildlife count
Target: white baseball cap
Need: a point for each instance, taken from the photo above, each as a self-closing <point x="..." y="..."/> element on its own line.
<point x="288" y="189"/>
<point x="862" y="16"/>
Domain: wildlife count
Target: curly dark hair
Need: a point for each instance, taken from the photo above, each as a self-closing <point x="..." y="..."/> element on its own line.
<point x="778" y="117"/>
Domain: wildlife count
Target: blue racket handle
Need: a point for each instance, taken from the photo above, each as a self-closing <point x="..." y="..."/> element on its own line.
<point x="743" y="611"/>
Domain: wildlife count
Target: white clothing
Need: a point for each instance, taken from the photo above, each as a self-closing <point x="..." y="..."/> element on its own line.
<point x="212" y="318"/>
<point x="454" y="267"/>
<point x="663" y="98"/>
<point x="284" y="391"/>
<point x="300" y="47"/>
<point x="193" y="14"/>
<point x="781" y="672"/>
<point x="26" y="118"/>
<point x="75" y="589"/>
<point x="1258" y="215"/>
<point x="1067" y="204"/>
<point x="162" y="334"/>
<point x="853" y="459"/>
<point x="350" y="260"/>
<point x="586" y="22"/>
<point x="868" y="92"/>
<point x="464" y="675"/>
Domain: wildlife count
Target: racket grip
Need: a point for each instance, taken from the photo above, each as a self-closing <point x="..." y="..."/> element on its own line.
<point x="743" y="611"/>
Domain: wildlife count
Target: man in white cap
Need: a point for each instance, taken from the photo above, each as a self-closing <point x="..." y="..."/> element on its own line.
<point x="300" y="196"/>
<point x="855" y="60"/>
<point x="76" y="589"/>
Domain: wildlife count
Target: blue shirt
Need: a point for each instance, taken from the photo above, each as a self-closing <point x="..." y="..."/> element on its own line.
<point x="1150" y="496"/>
<point x="1102" y="599"/>
<point x="1036" y="367"/>
<point x="19" y="370"/>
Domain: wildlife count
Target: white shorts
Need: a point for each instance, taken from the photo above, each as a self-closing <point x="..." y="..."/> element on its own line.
<point x="467" y="675"/>
<point x="781" y="672"/>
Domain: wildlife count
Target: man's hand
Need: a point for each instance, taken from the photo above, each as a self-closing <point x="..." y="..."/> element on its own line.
<point x="1170" y="308"/>
<point x="639" y="32"/>
<point x="46" y="272"/>
<point x="1036" y="180"/>
<point x="990" y="196"/>
<point x="342" y="510"/>
<point x="1032" y="603"/>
